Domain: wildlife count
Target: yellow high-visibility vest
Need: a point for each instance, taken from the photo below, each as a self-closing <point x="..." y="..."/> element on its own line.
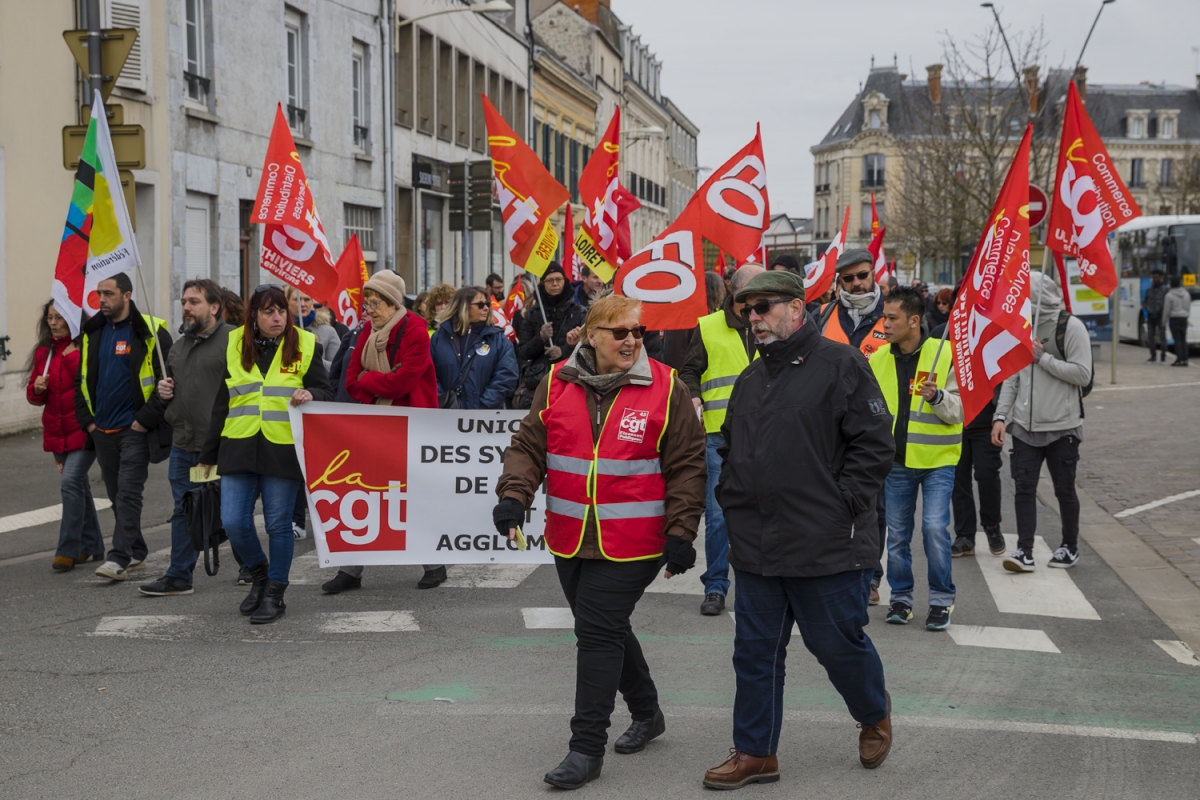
<point x="260" y="402"/>
<point x="145" y="369"/>
<point x="726" y="360"/>
<point x="931" y="443"/>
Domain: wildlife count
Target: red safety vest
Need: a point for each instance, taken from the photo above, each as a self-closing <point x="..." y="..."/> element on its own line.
<point x="619" y="478"/>
<point x="870" y="343"/>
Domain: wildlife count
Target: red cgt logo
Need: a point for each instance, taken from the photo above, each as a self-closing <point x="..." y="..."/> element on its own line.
<point x="633" y="425"/>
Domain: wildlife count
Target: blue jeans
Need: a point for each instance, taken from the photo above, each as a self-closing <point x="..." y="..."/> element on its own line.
<point x="79" y="532"/>
<point x="831" y="612"/>
<point x="183" y="555"/>
<point x="936" y="485"/>
<point x="238" y="494"/>
<point x="716" y="535"/>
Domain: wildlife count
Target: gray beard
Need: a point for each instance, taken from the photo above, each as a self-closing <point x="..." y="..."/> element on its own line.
<point x="194" y="327"/>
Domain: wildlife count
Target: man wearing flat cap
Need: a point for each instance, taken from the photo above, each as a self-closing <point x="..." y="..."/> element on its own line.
<point x="856" y="317"/>
<point x="807" y="445"/>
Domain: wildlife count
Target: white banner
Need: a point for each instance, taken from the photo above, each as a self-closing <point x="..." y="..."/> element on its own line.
<point x="409" y="485"/>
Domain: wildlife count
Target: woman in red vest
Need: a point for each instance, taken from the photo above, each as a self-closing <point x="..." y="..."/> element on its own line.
<point x="618" y="443"/>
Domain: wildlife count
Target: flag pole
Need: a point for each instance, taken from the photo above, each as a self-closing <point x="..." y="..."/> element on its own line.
<point x="162" y="362"/>
<point x="936" y="356"/>
<point x="1037" y="308"/>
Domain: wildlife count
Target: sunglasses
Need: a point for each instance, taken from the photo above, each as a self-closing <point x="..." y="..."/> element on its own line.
<point x="858" y="276"/>
<point x="262" y="287"/>
<point x="481" y="305"/>
<point x="763" y="307"/>
<point x="620" y="333"/>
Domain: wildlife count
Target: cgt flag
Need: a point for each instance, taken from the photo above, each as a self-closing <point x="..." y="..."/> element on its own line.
<point x="528" y="195"/>
<point x="1090" y="199"/>
<point x="294" y="246"/>
<point x="599" y="186"/>
<point x="97" y="240"/>
<point x="730" y="210"/>
<point x="818" y="281"/>
<point x="352" y="274"/>
<point x="989" y="323"/>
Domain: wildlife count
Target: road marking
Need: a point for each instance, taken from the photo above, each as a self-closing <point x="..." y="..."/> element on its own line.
<point x="548" y="618"/>
<point x="39" y="516"/>
<point x="1002" y="638"/>
<point x="689" y="582"/>
<point x="1045" y="592"/>
<point x="487" y="576"/>
<point x="368" y="622"/>
<point x="1179" y="651"/>
<point x="1196" y="540"/>
<point x="146" y="627"/>
<point x="1133" y="388"/>
<point x="1129" y="512"/>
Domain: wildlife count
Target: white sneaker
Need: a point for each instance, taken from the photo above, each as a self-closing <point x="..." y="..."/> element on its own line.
<point x="111" y="570"/>
<point x="136" y="563"/>
<point x="1019" y="561"/>
<point x="299" y="532"/>
<point x="1064" y="558"/>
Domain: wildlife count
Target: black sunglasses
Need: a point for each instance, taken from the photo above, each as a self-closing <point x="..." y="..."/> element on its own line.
<point x="262" y="287"/>
<point x="861" y="276"/>
<point x="620" y="333"/>
<point x="481" y="305"/>
<point x="763" y="307"/>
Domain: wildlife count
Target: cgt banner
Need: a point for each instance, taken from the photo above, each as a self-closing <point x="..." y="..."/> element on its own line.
<point x="391" y="485"/>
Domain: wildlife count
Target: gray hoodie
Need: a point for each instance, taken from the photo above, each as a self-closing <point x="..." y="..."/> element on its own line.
<point x="1178" y="303"/>
<point x="1044" y="396"/>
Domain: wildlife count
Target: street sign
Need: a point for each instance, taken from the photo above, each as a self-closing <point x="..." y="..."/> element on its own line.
<point x="116" y="113"/>
<point x="129" y="145"/>
<point x="1039" y="207"/>
<point x="115" y="45"/>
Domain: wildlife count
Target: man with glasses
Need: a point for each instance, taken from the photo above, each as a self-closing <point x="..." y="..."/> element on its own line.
<point x="807" y="446"/>
<point x="721" y="348"/>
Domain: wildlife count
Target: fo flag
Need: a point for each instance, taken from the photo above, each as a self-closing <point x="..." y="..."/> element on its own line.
<point x="528" y="195"/>
<point x="879" y="260"/>
<point x="599" y="185"/>
<point x="1090" y="200"/>
<point x="294" y="247"/>
<point x="97" y="240"/>
<point x="352" y="275"/>
<point x="819" y="279"/>
<point x="990" y="321"/>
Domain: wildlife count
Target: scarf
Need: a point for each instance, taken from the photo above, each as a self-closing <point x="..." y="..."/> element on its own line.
<point x="374" y="354"/>
<point x="600" y="384"/>
<point x="859" y="305"/>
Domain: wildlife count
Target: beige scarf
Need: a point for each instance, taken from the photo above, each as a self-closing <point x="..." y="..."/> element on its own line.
<point x="375" y="352"/>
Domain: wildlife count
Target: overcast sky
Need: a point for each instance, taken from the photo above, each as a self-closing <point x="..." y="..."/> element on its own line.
<point x="794" y="65"/>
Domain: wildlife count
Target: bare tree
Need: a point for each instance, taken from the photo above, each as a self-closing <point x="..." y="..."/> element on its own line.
<point x="1182" y="193"/>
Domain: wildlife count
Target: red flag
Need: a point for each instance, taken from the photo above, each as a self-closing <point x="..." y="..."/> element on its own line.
<point x="990" y="322"/>
<point x="294" y="247"/>
<point x="352" y="274"/>
<point x="599" y="183"/>
<point x="874" y="217"/>
<point x="730" y="210"/>
<point x="759" y="256"/>
<point x="879" y="259"/>
<point x="721" y="262"/>
<point x="570" y="263"/>
<point x="1089" y="201"/>
<point x="512" y="306"/>
<point x="626" y="205"/>
<point x="817" y="282"/>
<point x="1062" y="279"/>
<point x="528" y="195"/>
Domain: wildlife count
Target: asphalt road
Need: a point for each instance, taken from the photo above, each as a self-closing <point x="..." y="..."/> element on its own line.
<point x="394" y="692"/>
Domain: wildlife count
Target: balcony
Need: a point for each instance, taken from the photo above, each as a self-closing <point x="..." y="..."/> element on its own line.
<point x="296" y="117"/>
<point x="197" y="87"/>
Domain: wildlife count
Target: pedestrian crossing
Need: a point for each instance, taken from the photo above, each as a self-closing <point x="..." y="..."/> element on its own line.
<point x="40" y="516"/>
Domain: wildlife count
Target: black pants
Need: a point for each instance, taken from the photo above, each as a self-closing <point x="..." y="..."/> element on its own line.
<point x="1179" y="327"/>
<point x="1060" y="456"/>
<point x="124" y="459"/>
<point x="1156" y="334"/>
<point x="609" y="658"/>
<point x="982" y="457"/>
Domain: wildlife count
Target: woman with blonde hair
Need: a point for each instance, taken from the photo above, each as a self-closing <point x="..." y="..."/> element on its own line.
<point x="475" y="362"/>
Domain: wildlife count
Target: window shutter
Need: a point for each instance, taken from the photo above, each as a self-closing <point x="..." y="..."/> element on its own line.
<point x="196" y="245"/>
<point x="128" y="14"/>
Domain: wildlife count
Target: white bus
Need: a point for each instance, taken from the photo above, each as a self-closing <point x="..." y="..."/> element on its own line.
<point x="1169" y="243"/>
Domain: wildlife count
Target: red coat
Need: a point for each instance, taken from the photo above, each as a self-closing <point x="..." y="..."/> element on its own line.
<point x="60" y="428"/>
<point x="413" y="384"/>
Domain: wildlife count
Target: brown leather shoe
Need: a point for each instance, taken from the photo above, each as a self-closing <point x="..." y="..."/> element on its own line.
<point x="740" y="769"/>
<point x="875" y="741"/>
<point x="874" y="601"/>
<point x="63" y="563"/>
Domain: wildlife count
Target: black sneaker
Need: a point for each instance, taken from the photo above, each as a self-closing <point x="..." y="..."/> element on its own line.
<point x="165" y="586"/>
<point x="995" y="540"/>
<point x="899" y="613"/>
<point x="939" y="618"/>
<point x="1019" y="561"/>
<point x="714" y="604"/>
<point x="432" y="578"/>
<point x="1064" y="558"/>
<point x="962" y="547"/>
<point x="340" y="583"/>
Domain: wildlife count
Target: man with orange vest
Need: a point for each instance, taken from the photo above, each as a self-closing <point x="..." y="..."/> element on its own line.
<point x="615" y="438"/>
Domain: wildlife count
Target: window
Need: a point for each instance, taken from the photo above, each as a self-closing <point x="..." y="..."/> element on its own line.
<point x="431" y="240"/>
<point x="508" y="109"/>
<point x="361" y="221"/>
<point x="195" y="69"/>
<point x="478" y="129"/>
<point x="547" y="138"/>
<point x="359" y="94"/>
<point x="1137" y="173"/>
<point x="574" y="176"/>
<point x="197" y="243"/>
<point x="865" y="224"/>
<point x="462" y="101"/>
<point x="425" y="82"/>
<point x="876" y="122"/>
<point x="404" y="76"/>
<point x="128" y="14"/>
<point x="445" y="92"/>
<point x="560" y="166"/>
<point x="1137" y="128"/>
<point x="297" y="71"/>
<point x="519" y="114"/>
<point x="873" y="170"/>
<point x="1166" y="173"/>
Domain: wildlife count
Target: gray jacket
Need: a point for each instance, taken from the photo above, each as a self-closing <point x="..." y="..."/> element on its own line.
<point x="197" y="363"/>
<point x="1045" y="395"/>
<point x="1178" y="304"/>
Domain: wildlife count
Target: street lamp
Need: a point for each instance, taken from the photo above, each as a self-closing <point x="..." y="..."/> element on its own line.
<point x="1103" y="3"/>
<point x="480" y="8"/>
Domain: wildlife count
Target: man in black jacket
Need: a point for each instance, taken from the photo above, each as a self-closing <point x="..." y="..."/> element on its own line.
<point x="808" y="444"/>
<point x="118" y="371"/>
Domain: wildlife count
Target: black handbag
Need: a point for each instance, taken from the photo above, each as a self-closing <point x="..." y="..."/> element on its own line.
<point x="453" y="397"/>
<point x="202" y="510"/>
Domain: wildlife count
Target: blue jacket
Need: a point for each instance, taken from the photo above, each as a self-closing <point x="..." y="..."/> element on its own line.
<point x="493" y="373"/>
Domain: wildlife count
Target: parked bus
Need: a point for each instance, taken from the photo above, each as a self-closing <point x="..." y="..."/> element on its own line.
<point x="1169" y="243"/>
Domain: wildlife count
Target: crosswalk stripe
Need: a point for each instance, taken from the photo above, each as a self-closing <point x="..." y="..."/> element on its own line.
<point x="368" y="622"/>
<point x="487" y="576"/>
<point x="1179" y="651"/>
<point x="40" y="516"/>
<point x="139" y="626"/>
<point x="1045" y="592"/>
<point x="548" y="618"/>
<point x="1002" y="638"/>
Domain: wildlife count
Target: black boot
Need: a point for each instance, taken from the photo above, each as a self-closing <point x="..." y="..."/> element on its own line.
<point x="575" y="770"/>
<point x="258" y="585"/>
<point x="640" y="733"/>
<point x="272" y="607"/>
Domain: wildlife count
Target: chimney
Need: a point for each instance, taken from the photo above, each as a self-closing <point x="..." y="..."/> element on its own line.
<point x="1081" y="82"/>
<point x="1031" y="88"/>
<point x="934" y="77"/>
<point x="589" y="9"/>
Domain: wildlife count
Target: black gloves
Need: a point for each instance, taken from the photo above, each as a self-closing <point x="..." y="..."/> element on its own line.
<point x="510" y="513"/>
<point x="680" y="555"/>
